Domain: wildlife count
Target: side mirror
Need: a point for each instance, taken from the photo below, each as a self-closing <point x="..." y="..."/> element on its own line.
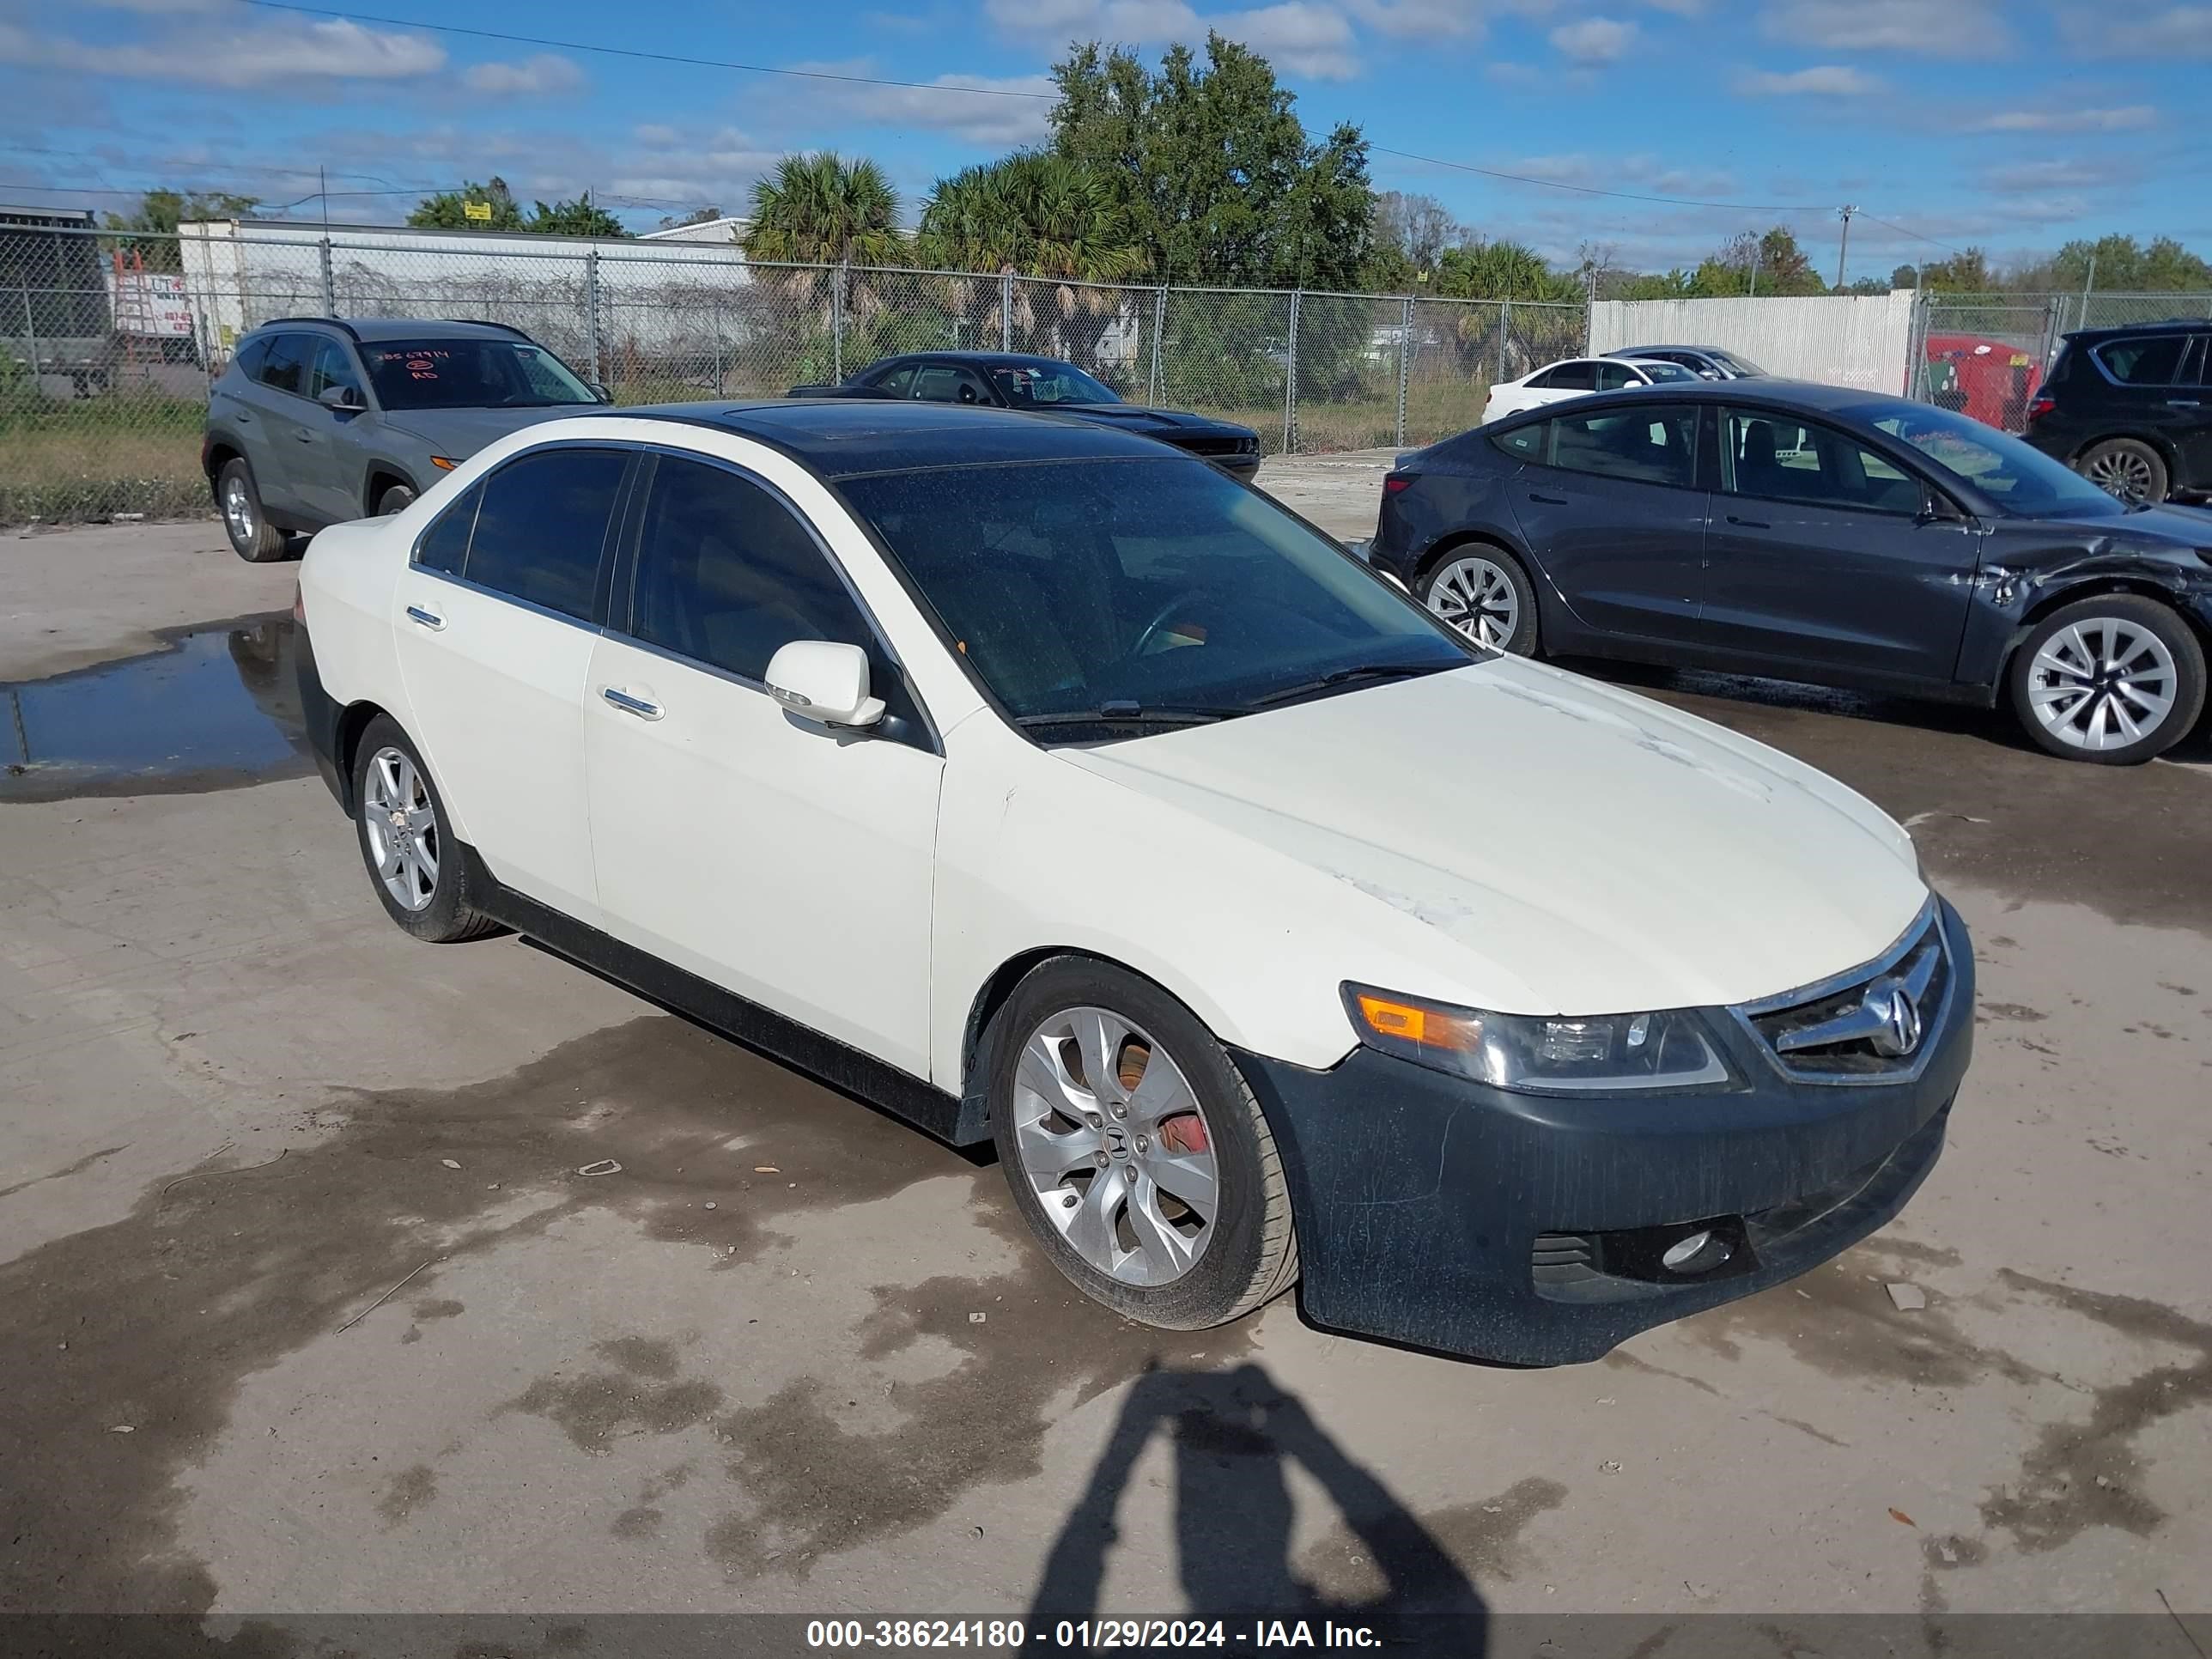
<point x="819" y="681"/>
<point x="340" y="398"/>
<point x="599" y="391"/>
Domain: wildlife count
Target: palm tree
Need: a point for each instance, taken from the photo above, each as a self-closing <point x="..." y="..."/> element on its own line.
<point x="1038" y="215"/>
<point x="822" y="210"/>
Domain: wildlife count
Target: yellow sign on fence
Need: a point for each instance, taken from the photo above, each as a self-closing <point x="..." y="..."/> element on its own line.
<point x="477" y="210"/>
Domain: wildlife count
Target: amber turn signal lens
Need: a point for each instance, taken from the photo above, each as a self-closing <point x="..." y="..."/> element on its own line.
<point x="1396" y="1019"/>
<point x="442" y="463"/>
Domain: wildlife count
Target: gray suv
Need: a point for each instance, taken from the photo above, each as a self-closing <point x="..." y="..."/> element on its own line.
<point x="318" y="420"/>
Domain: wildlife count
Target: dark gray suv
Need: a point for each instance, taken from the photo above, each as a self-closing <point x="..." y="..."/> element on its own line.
<point x="318" y="420"/>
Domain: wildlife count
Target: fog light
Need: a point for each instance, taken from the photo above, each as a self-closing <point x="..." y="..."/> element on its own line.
<point x="1694" y="1253"/>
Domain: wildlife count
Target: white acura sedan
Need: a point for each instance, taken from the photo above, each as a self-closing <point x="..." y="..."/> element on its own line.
<point x="1044" y="785"/>
<point x="1576" y="377"/>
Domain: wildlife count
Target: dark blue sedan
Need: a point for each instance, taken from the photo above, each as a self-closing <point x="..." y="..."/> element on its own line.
<point x="1820" y="533"/>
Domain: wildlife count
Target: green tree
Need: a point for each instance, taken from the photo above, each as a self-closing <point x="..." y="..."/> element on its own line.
<point x="1502" y="269"/>
<point x="823" y="210"/>
<point x="160" y="212"/>
<point x="448" y="209"/>
<point x="2124" y="266"/>
<point x="1218" y="178"/>
<point x="1965" y="272"/>
<point x="580" y="218"/>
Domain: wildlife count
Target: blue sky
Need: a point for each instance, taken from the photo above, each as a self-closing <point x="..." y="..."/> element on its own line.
<point x="2011" y="124"/>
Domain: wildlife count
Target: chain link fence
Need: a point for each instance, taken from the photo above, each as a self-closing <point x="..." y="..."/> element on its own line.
<point x="1984" y="355"/>
<point x="110" y="341"/>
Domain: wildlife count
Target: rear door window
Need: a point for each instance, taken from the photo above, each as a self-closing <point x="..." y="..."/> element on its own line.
<point x="1615" y="376"/>
<point x="898" y="383"/>
<point x="251" y="357"/>
<point x="542" y="527"/>
<point x="285" y="367"/>
<point x="1649" y="444"/>
<point x="2149" y="360"/>
<point x="1524" y="443"/>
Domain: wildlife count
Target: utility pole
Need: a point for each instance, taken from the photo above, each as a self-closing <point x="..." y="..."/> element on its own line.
<point x="2088" y="285"/>
<point x="1756" y="248"/>
<point x="1843" y="252"/>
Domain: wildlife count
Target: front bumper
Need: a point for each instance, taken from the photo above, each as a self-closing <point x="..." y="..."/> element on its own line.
<point x="1448" y="1215"/>
<point x="322" y="714"/>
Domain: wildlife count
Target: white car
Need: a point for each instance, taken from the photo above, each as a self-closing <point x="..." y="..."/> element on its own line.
<point x="1576" y="377"/>
<point x="1046" y="785"/>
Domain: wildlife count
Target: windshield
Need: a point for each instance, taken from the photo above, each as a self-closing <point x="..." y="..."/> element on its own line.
<point x="2021" y="480"/>
<point x="1027" y="386"/>
<point x="1084" y="594"/>
<point x="469" y="373"/>
<point x="1736" y="365"/>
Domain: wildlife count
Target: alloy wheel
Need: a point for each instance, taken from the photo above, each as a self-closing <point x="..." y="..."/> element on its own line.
<point x="2121" y="472"/>
<point x="1476" y="596"/>
<point x="2104" y="683"/>
<point x="238" y="511"/>
<point x="403" y="828"/>
<point x="1115" y="1147"/>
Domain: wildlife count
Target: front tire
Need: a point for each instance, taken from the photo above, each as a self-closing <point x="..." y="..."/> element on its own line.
<point x="396" y="499"/>
<point x="1135" y="1150"/>
<point x="2126" y="468"/>
<point x="2114" y="679"/>
<point x="414" y="866"/>
<point x="253" y="538"/>
<point x="1485" y="592"/>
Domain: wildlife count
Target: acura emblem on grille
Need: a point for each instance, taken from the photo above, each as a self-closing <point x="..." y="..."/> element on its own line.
<point x="1897" y="1033"/>
<point x="1887" y="1017"/>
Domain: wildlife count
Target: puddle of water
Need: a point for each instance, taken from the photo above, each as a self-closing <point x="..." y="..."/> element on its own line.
<point x="220" y="708"/>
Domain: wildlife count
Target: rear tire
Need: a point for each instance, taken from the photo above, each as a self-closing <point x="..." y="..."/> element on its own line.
<point x="253" y="538"/>
<point x="2093" y="670"/>
<point x="1100" y="1173"/>
<point x="414" y="866"/>
<point x="2126" y="468"/>
<point x="1484" y="592"/>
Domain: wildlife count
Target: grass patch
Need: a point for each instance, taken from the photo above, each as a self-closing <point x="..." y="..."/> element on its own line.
<point x="1433" y="410"/>
<point x="70" y="461"/>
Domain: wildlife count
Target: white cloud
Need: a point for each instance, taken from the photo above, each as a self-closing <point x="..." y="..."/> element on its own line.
<point x="1418" y="19"/>
<point x="2125" y="119"/>
<point x="254" y="56"/>
<point x="1297" y="36"/>
<point x="2040" y="178"/>
<point x="942" y="106"/>
<point x="1141" y="22"/>
<point x="1941" y="29"/>
<point x="1822" y="81"/>
<point x="1595" y="40"/>
<point x="2175" y="32"/>
<point x="533" y="78"/>
<point x="1508" y="73"/>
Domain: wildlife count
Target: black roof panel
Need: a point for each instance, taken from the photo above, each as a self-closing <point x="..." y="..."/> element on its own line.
<point x="844" y="437"/>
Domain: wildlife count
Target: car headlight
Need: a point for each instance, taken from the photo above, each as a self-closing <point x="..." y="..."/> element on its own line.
<point x="1541" y="1053"/>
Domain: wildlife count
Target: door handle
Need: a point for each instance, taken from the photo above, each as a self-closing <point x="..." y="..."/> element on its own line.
<point x="1548" y="501"/>
<point x="430" y="619"/>
<point x="642" y="707"/>
<point x="305" y="437"/>
<point x="1749" y="524"/>
<point x="2182" y="402"/>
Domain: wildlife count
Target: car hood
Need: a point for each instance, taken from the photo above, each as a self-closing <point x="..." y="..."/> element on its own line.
<point x="1168" y="423"/>
<point x="1587" y="850"/>
<point x="457" y="434"/>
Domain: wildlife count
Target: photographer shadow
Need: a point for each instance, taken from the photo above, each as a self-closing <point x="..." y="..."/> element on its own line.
<point x="1232" y="1434"/>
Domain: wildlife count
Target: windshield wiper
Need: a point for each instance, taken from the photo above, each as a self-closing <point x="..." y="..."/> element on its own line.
<point x="1373" y="670"/>
<point x="1127" y="713"/>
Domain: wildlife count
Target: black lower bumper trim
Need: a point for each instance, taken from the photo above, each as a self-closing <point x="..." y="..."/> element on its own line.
<point x="1442" y="1214"/>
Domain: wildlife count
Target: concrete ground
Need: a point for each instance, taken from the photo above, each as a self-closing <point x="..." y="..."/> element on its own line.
<point x="308" y="1306"/>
